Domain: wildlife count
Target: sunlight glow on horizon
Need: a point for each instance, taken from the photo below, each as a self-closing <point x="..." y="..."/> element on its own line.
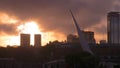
<point x="31" y="27"/>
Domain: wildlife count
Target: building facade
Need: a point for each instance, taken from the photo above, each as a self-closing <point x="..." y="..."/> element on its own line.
<point x="113" y="29"/>
<point x="72" y="38"/>
<point x="37" y="40"/>
<point x="88" y="35"/>
<point x="24" y="40"/>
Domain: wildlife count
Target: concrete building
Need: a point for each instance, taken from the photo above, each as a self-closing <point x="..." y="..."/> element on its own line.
<point x="72" y="38"/>
<point x="24" y="40"/>
<point x="37" y="40"/>
<point x="88" y="35"/>
<point x="113" y="29"/>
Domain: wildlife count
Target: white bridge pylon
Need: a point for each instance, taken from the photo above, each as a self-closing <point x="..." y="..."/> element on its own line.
<point x="84" y="44"/>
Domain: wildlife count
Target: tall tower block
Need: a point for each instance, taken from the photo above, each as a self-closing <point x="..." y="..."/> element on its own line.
<point x="113" y="27"/>
<point x="24" y="40"/>
<point x="37" y="40"/>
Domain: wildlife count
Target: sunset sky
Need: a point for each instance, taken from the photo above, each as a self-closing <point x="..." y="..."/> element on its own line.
<point x="52" y="19"/>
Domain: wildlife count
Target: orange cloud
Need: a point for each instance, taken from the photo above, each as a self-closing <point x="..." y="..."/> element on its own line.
<point x="56" y="19"/>
<point x="7" y="19"/>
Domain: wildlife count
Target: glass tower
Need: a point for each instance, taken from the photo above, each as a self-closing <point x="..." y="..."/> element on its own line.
<point x="113" y="29"/>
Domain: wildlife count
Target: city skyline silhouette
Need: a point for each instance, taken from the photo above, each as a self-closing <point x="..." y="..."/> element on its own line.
<point x="59" y="33"/>
<point x="50" y="17"/>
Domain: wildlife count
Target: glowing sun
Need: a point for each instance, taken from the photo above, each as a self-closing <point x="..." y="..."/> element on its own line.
<point x="30" y="28"/>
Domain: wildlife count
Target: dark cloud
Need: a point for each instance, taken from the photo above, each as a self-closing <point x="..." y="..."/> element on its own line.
<point x="9" y="29"/>
<point x="100" y="29"/>
<point x="53" y="15"/>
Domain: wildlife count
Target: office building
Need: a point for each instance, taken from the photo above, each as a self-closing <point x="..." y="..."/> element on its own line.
<point x="113" y="27"/>
<point x="37" y="40"/>
<point x="24" y="40"/>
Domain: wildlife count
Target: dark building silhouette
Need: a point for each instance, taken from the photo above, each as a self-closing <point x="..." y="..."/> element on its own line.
<point x="37" y="40"/>
<point x="88" y="35"/>
<point x="103" y="42"/>
<point x="113" y="29"/>
<point x="24" y="40"/>
<point x="72" y="38"/>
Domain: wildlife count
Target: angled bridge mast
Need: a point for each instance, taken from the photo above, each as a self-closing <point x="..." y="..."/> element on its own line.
<point x="83" y="42"/>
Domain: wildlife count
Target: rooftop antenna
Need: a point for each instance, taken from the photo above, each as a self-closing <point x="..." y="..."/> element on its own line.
<point x="82" y="40"/>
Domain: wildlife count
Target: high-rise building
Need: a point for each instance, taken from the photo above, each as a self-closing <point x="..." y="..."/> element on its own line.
<point x="37" y="40"/>
<point x="24" y="40"/>
<point x="113" y="29"/>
